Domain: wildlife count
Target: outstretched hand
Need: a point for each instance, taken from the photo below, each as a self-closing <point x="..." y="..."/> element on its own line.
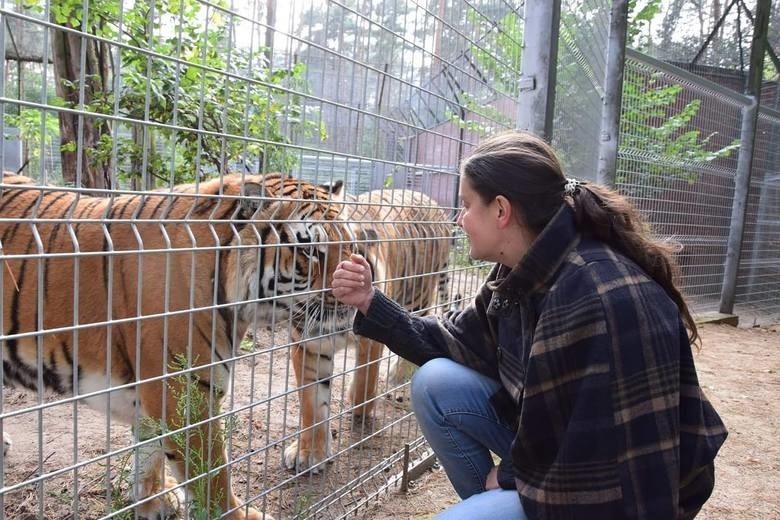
<point x="352" y="283"/>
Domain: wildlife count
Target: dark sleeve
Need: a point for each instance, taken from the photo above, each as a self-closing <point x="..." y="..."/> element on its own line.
<point x="506" y="475"/>
<point x="465" y="336"/>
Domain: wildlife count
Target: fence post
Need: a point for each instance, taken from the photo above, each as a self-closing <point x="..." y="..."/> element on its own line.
<point x="613" y="93"/>
<point x="747" y="138"/>
<point x="537" y="75"/>
<point x="745" y="162"/>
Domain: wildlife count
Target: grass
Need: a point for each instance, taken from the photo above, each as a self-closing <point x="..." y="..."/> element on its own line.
<point x="191" y="407"/>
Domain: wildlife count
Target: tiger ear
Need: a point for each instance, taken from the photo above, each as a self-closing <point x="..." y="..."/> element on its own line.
<point x="369" y="234"/>
<point x="336" y="189"/>
<point x="337" y="195"/>
<point x="366" y="238"/>
<point x="252" y="200"/>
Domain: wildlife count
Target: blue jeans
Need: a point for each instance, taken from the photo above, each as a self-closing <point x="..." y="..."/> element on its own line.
<point x="452" y="406"/>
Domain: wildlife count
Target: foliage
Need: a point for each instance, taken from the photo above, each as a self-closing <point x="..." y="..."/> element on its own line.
<point x="213" y="104"/>
<point x="497" y="57"/>
<point x="192" y="405"/>
<point x="35" y="126"/>
<point x="640" y="17"/>
<point x="121" y="483"/>
<point x="37" y="129"/>
<point x="655" y="123"/>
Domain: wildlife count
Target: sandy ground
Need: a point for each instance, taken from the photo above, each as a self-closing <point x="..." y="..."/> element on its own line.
<point x="738" y="368"/>
<point x="90" y="472"/>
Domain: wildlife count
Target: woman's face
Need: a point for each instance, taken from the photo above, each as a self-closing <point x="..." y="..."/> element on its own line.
<point x="479" y="222"/>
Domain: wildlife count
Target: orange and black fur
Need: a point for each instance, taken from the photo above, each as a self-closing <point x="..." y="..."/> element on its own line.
<point x="406" y="237"/>
<point x="151" y="279"/>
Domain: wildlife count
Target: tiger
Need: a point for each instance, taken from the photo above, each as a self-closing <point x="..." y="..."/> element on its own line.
<point x="159" y="278"/>
<point x="405" y="236"/>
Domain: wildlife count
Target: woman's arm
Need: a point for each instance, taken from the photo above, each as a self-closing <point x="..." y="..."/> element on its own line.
<point x="465" y="336"/>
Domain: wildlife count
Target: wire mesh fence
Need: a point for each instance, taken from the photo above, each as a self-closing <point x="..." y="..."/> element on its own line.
<point x="677" y="164"/>
<point x="680" y="142"/>
<point x="153" y="273"/>
<point x="678" y="154"/>
<point x="758" y="280"/>
<point x="580" y="85"/>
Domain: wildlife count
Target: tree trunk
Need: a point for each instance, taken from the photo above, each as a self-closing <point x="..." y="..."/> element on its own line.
<point x="669" y="24"/>
<point x="66" y="50"/>
<point x="270" y="20"/>
<point x="716" y="44"/>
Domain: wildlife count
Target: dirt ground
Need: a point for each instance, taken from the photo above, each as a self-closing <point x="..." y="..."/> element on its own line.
<point x="739" y="369"/>
<point x="52" y="473"/>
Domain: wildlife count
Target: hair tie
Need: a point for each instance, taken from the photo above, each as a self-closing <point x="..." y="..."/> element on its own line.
<point x="572" y="186"/>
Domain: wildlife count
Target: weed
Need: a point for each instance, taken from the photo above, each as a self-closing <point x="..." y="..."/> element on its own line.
<point x="195" y="444"/>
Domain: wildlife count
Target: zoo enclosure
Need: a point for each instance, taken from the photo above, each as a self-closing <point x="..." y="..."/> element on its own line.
<point x="378" y="95"/>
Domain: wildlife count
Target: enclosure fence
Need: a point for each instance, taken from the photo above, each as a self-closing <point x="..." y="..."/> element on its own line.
<point x="677" y="158"/>
<point x="680" y="141"/>
<point x="143" y="241"/>
<point x="147" y="241"/>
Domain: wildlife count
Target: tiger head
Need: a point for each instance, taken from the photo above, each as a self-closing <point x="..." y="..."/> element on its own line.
<point x="279" y="267"/>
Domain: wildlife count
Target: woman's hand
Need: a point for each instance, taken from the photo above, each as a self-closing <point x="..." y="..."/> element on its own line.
<point x="491" y="482"/>
<point x="352" y="283"/>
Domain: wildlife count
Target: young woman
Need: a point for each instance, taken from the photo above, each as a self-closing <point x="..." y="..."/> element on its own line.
<point x="573" y="365"/>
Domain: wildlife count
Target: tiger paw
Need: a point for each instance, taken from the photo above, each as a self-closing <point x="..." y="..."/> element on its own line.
<point x="163" y="506"/>
<point x="302" y="459"/>
<point x="6" y="443"/>
<point x="250" y="514"/>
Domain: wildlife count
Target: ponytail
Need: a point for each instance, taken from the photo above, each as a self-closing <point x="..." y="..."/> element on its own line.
<point x="524" y="168"/>
<point x="609" y="217"/>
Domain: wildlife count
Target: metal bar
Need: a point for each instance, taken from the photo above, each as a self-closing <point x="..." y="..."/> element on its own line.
<point x="687" y="76"/>
<point x="712" y="33"/>
<point x="613" y="94"/>
<point x="417" y="468"/>
<point x="761" y="219"/>
<point x="745" y="164"/>
<point x="538" y="71"/>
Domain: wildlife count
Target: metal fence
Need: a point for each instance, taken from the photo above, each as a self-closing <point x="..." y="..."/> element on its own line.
<point x="678" y="161"/>
<point x="758" y="281"/>
<point x="115" y="106"/>
<point x="678" y="154"/>
<point x="119" y="103"/>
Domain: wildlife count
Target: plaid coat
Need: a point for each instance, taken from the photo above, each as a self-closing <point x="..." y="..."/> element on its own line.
<point x="597" y="375"/>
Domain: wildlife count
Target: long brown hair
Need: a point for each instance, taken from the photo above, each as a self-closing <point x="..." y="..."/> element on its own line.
<point x="524" y="168"/>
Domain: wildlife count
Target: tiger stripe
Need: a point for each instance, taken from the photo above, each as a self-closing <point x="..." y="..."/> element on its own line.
<point x="405" y="236"/>
<point x="162" y="258"/>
